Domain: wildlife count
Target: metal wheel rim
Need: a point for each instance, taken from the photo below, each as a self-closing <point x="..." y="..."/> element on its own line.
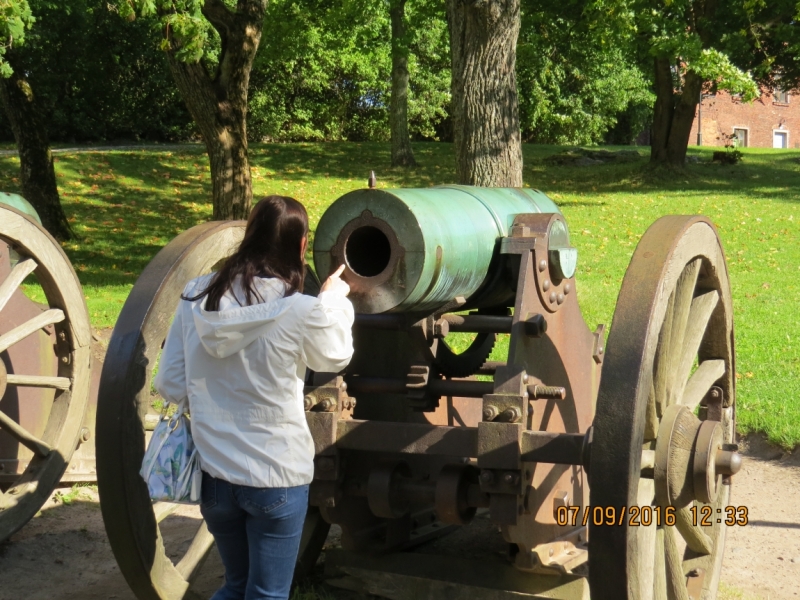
<point x="63" y="292"/>
<point x="619" y="556"/>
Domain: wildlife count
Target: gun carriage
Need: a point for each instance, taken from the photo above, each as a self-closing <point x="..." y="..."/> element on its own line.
<point x="415" y="439"/>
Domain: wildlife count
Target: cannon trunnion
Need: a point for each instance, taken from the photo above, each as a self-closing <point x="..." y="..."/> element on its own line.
<point x="585" y="486"/>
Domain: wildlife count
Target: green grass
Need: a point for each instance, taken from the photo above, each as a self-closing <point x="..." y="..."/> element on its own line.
<point x="727" y="592"/>
<point x="76" y="492"/>
<point x="126" y="205"/>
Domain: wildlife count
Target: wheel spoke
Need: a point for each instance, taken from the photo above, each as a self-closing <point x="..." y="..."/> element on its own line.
<point x="697" y="539"/>
<point x="191" y="562"/>
<point x="23" y="436"/>
<point x="701" y="381"/>
<point x="7" y="501"/>
<point x="18" y="274"/>
<point x="676" y="580"/>
<point x="647" y="542"/>
<point x="59" y="383"/>
<point x="659" y="568"/>
<point x="702" y="307"/>
<point x="651" y="418"/>
<point x="662" y="367"/>
<point x="684" y="293"/>
<point x="48" y="317"/>
<point x="648" y="463"/>
<point x="163" y="509"/>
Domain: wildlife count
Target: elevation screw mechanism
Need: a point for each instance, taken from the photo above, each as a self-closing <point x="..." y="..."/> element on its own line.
<point x="372" y="182"/>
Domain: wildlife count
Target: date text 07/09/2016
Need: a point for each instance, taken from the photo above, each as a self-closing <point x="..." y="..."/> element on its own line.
<point x="644" y="516"/>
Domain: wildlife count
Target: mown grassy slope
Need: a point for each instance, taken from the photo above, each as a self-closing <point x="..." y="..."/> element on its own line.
<point x="125" y="205"/>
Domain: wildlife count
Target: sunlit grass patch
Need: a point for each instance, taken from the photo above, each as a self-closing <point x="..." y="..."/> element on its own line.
<point x="126" y="205"/>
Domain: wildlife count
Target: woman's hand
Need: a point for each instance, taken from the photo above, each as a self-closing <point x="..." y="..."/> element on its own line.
<point x="335" y="284"/>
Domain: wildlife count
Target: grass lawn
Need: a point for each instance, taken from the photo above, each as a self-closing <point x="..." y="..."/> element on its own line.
<point x="126" y="205"/>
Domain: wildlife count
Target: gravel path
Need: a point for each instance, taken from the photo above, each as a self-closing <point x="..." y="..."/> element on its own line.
<point x="63" y="553"/>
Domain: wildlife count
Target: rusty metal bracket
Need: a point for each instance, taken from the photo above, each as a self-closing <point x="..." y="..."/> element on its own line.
<point x="713" y="402"/>
<point x="419" y="395"/>
<point x="559" y="557"/>
<point x="499" y="445"/>
<point x="506" y="408"/>
<point x="497" y="481"/>
<point x="598" y="349"/>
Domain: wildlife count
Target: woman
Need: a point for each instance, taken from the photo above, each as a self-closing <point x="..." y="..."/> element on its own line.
<point x="239" y="348"/>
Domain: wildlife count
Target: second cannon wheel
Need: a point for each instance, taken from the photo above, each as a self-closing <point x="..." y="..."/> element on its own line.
<point x="135" y="525"/>
<point x="665" y="411"/>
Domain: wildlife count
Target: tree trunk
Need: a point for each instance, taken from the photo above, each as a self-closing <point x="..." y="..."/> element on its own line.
<point x="224" y="134"/>
<point x="218" y="103"/>
<point x="486" y="134"/>
<point x="662" y="113"/>
<point x="37" y="173"/>
<point x="683" y="117"/>
<point x="673" y="116"/>
<point x="402" y="155"/>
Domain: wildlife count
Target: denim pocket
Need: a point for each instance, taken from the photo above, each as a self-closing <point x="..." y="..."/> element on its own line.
<point x="264" y="500"/>
<point x="208" y="491"/>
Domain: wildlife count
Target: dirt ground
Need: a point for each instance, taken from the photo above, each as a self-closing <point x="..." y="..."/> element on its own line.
<point x="63" y="553"/>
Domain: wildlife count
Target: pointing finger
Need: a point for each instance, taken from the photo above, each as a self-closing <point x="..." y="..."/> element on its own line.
<point x="338" y="271"/>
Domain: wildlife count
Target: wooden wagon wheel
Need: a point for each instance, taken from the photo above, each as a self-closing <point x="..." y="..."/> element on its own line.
<point x="131" y="520"/>
<point x="40" y="255"/>
<point x="669" y="354"/>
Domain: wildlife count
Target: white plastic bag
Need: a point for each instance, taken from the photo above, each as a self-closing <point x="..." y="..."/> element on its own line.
<point x="171" y="467"/>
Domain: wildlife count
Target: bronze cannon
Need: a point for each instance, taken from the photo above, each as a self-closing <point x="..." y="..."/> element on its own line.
<point x="578" y="465"/>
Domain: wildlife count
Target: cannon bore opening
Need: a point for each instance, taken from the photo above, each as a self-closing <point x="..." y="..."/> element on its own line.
<point x="367" y="251"/>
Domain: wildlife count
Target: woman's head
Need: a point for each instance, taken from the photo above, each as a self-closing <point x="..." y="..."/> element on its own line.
<point x="273" y="246"/>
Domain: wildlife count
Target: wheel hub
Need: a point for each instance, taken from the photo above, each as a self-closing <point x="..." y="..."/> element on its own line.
<point x="690" y="458"/>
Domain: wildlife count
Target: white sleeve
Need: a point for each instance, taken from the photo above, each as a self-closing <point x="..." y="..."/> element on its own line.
<point x="170" y="380"/>
<point x="328" y="340"/>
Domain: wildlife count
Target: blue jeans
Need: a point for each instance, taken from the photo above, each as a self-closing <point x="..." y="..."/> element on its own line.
<point x="257" y="531"/>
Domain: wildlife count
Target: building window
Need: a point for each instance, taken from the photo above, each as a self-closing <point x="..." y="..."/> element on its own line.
<point x="740" y="137"/>
<point x="780" y="139"/>
<point x="780" y="97"/>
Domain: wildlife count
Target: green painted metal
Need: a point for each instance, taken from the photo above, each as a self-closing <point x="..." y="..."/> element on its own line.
<point x="413" y="250"/>
<point x="22" y="205"/>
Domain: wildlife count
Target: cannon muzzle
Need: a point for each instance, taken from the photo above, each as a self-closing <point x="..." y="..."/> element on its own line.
<point x="415" y="250"/>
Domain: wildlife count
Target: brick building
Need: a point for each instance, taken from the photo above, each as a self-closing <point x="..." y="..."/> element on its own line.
<point x="771" y="121"/>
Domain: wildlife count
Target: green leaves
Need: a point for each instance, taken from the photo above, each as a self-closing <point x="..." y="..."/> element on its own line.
<point x="186" y="30"/>
<point x="15" y="18"/>
<point x="687" y="50"/>
<point x="576" y="70"/>
<point x="713" y="65"/>
<point x="323" y="71"/>
<point x="190" y="31"/>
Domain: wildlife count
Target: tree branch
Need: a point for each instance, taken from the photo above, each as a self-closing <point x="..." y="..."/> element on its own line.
<point x="219" y="15"/>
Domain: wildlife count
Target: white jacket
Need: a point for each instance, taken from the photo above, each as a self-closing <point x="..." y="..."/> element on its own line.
<point x="242" y="369"/>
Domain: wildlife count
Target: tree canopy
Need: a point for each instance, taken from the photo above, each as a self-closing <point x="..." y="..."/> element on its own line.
<point x="586" y="69"/>
<point x="15" y="18"/>
<point x="99" y="78"/>
<point x="577" y="71"/>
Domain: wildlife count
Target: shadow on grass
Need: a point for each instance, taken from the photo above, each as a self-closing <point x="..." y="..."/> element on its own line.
<point x="768" y="176"/>
<point x="764" y="173"/>
<point x="126" y="205"/>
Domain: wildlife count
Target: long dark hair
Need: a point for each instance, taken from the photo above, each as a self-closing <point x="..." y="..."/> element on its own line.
<point x="270" y="248"/>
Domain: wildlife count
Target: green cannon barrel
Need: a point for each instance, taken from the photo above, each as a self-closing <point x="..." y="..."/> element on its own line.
<point x="22" y="205"/>
<point x="414" y="250"/>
